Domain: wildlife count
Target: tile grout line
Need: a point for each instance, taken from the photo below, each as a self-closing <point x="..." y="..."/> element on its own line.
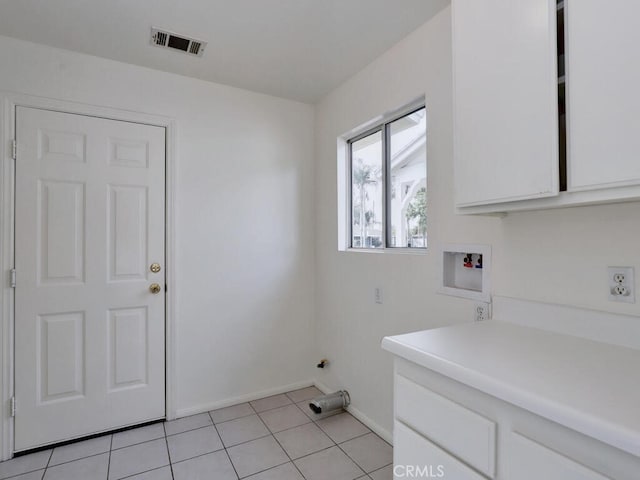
<point x="166" y="441"/>
<point x="354" y="462"/>
<point x="243" y="416"/>
<point x="276" y="440"/>
<point x="47" y="465"/>
<point x="313" y="453"/>
<point x="68" y="461"/>
<point x="247" y="441"/>
<point x="344" y="441"/>
<point x="13" y="477"/>
<point x="174" y="434"/>
<point x="145" y="441"/>
<point x="262" y="471"/>
<point x="354" y="438"/>
<point x="224" y="447"/>
<point x="109" y="462"/>
<point x="258" y="415"/>
<point x="358" y="436"/>
<point x="231" y="419"/>
<point x="378" y="469"/>
<point x="142" y="473"/>
<point x="269" y="409"/>
<point x="186" y="459"/>
<point x="285" y="451"/>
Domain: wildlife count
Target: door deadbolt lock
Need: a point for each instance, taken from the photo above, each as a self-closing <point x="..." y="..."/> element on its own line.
<point x="155" y="267"/>
<point x="155" y="288"/>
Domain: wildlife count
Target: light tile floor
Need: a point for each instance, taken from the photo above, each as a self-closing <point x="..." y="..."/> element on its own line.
<point x="274" y="438"/>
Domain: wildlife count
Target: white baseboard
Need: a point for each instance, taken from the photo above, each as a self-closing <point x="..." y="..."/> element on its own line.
<point x="322" y="387"/>
<point x="185" y="412"/>
<point x="385" y="434"/>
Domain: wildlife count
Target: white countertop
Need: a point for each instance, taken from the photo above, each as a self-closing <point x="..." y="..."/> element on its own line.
<point x="587" y="386"/>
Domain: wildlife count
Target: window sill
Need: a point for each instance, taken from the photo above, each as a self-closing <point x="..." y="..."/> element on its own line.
<point x="392" y="251"/>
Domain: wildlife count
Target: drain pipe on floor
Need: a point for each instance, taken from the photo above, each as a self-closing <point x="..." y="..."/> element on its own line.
<point x="332" y="401"/>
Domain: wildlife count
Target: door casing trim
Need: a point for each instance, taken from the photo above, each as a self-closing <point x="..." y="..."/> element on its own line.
<point x="8" y="103"/>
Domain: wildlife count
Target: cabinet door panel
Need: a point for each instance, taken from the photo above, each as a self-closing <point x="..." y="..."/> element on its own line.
<point x="416" y="457"/>
<point x="528" y="460"/>
<point x="603" y="74"/>
<point x="442" y="420"/>
<point x="505" y="100"/>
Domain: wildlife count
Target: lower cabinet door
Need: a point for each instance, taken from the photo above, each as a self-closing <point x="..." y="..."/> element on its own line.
<point x="529" y="460"/>
<point x="416" y="457"/>
<point x="465" y="434"/>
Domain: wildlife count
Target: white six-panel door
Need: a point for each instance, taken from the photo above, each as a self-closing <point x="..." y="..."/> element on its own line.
<point x="89" y="333"/>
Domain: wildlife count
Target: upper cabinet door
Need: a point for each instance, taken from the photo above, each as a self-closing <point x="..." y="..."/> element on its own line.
<point x="505" y="100"/>
<point x="603" y="75"/>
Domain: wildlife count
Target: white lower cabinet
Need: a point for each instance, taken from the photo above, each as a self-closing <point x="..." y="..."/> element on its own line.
<point x="416" y="457"/>
<point x="446" y="429"/>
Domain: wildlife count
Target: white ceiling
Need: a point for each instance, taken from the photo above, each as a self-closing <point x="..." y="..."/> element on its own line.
<point x="298" y="49"/>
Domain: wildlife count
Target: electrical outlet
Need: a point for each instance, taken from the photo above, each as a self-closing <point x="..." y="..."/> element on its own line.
<point x="619" y="277"/>
<point x="482" y="311"/>
<point x="621" y="284"/>
<point x="377" y="295"/>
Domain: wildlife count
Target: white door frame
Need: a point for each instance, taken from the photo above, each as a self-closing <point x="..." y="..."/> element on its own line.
<point x="8" y="103"/>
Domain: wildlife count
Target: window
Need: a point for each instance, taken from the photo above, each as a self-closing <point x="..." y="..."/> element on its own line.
<point x="388" y="187"/>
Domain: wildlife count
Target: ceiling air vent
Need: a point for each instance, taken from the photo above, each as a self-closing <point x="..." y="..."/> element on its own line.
<point x="166" y="39"/>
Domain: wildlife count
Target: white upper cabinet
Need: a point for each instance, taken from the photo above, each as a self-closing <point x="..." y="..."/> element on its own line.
<point x="506" y="100"/>
<point x="603" y="77"/>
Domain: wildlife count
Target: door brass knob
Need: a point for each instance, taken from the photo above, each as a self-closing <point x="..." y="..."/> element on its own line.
<point x="155" y="288"/>
<point x="155" y="267"/>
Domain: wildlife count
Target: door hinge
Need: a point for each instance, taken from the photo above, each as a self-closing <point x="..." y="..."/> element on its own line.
<point x="14" y="149"/>
<point x="12" y="407"/>
<point x="12" y="277"/>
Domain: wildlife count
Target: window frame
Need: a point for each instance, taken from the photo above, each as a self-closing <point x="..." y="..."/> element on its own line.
<point x="384" y="127"/>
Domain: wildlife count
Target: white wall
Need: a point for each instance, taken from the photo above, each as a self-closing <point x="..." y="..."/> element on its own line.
<point x="554" y="256"/>
<point x="246" y="229"/>
<point x="244" y="215"/>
